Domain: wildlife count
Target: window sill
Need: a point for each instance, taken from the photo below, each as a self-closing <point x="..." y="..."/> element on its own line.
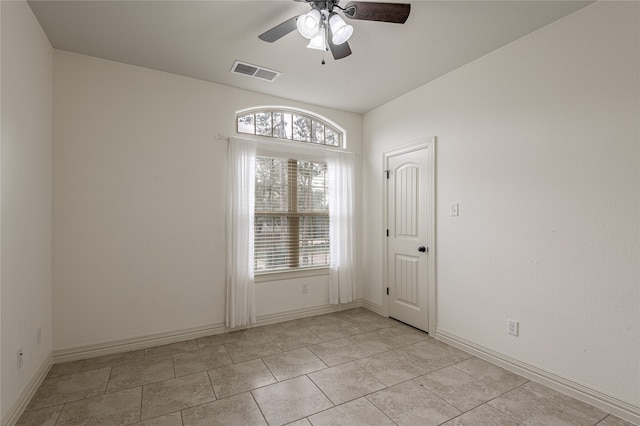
<point x="264" y="277"/>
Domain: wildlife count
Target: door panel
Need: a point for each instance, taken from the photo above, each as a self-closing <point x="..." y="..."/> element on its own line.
<point x="408" y="218"/>
<point x="406" y="270"/>
<point x="406" y="195"/>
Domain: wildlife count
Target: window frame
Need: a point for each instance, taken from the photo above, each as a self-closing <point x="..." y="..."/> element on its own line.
<point x="307" y="151"/>
<point x="314" y="119"/>
<point x="293" y="216"/>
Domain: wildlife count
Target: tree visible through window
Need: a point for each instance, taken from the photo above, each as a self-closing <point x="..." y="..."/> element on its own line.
<point x="291" y="214"/>
<point x="289" y="125"/>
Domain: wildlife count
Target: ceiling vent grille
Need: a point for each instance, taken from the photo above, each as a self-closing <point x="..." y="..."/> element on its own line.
<point x="254" y="71"/>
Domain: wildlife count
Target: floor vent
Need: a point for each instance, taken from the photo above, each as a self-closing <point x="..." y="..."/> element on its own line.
<point x="254" y="71"/>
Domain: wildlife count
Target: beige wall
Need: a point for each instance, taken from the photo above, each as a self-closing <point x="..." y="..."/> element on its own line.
<point x="538" y="142"/>
<point x="139" y="212"/>
<point x="27" y="68"/>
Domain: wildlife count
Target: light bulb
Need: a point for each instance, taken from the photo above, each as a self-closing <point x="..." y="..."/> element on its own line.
<point x="317" y="42"/>
<point x="340" y="31"/>
<point x="309" y="23"/>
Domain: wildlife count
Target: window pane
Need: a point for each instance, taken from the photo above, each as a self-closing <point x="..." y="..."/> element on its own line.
<point x="245" y="124"/>
<point x="282" y="125"/>
<point x="290" y="236"/>
<point x="314" y="241"/>
<point x="263" y="123"/>
<point x="331" y="137"/>
<point x="317" y="133"/>
<point x="271" y="243"/>
<point x="301" y="128"/>
<point x="271" y="184"/>
<point x="312" y="187"/>
<point x="288" y="125"/>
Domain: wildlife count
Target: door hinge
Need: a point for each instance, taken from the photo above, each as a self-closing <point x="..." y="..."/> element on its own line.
<point x="387" y="232"/>
<point x="387" y="172"/>
<point x="387" y="291"/>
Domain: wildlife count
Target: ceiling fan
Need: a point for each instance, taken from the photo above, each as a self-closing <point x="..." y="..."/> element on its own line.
<point x="326" y="29"/>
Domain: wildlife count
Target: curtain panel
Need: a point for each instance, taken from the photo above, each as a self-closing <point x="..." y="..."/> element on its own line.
<point x="241" y="172"/>
<point x="342" y="279"/>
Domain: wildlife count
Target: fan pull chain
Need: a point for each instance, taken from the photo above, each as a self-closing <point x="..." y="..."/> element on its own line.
<point x="326" y="39"/>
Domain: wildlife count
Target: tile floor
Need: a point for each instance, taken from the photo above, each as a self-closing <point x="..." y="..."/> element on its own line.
<point x="348" y="368"/>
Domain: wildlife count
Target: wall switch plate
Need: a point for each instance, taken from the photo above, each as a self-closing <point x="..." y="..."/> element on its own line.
<point x="19" y="356"/>
<point x="512" y="327"/>
<point x="453" y="209"/>
<point x="305" y="288"/>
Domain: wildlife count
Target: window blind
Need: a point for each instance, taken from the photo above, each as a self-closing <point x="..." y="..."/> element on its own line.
<point x="291" y="214"/>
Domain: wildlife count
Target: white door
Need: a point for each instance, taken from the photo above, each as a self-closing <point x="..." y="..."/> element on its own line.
<point x="408" y="219"/>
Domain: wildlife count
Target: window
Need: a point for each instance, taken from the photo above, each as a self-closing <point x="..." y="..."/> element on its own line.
<point x="291" y="214"/>
<point x="292" y="125"/>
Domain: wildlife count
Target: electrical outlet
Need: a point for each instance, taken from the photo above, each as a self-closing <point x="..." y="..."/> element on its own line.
<point x="38" y="335"/>
<point x="305" y="288"/>
<point x="512" y="327"/>
<point x="20" y="356"/>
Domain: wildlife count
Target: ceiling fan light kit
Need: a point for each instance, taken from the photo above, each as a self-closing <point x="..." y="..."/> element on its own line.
<point x="322" y="21"/>
<point x="340" y="30"/>
<point x="309" y="24"/>
<point x="318" y="41"/>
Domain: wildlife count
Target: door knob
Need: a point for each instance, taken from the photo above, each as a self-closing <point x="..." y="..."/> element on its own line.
<point x="422" y="249"/>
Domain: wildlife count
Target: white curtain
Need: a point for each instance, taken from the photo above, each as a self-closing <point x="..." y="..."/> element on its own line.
<point x="241" y="172"/>
<point x="342" y="281"/>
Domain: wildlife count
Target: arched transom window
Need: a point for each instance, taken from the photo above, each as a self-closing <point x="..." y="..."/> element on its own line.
<point x="289" y="124"/>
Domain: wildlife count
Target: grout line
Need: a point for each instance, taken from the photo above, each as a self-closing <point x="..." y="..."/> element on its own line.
<point x="502" y="394"/>
<point x="173" y="365"/>
<point x="321" y="391"/>
<point x="59" y="414"/>
<point x="212" y="387"/>
<point x="141" y="394"/>
<point x="213" y="391"/>
<point x="342" y="320"/>
<point x="106" y="385"/>
<point x="258" y="405"/>
<point x="270" y="371"/>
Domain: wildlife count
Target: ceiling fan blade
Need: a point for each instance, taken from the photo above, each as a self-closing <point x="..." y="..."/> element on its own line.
<point x="396" y="13"/>
<point x="279" y="31"/>
<point x="339" y="51"/>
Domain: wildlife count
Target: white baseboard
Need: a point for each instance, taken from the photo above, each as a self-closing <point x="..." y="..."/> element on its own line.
<point x="124" y="345"/>
<point x="598" y="399"/>
<point x="372" y="307"/>
<point x="143" y="342"/>
<point x="305" y="312"/>
<point x="20" y="404"/>
<point x="135" y="343"/>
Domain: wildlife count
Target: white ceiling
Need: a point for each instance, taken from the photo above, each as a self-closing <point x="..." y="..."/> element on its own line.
<point x="202" y="39"/>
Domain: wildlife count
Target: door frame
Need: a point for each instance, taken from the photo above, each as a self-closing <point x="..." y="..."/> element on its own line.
<point x="431" y="226"/>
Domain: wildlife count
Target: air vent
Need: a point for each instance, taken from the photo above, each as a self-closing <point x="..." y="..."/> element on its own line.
<point x="254" y="71"/>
